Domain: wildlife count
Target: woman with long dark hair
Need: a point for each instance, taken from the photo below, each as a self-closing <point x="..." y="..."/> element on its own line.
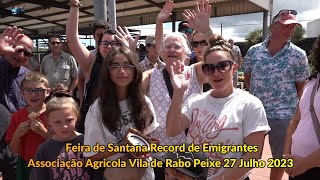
<point x="119" y="106"/>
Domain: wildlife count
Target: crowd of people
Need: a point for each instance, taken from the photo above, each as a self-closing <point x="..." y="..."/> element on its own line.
<point x="182" y="91"/>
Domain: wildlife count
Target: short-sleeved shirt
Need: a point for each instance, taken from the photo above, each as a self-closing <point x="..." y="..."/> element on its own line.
<point x="273" y="77"/>
<point x="146" y="64"/>
<point x="10" y="81"/>
<point x="54" y="151"/>
<point x="227" y="121"/>
<point x="64" y="70"/>
<point x="31" y="140"/>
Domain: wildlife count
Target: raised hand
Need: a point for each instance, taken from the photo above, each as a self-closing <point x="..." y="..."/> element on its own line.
<point x="124" y="36"/>
<point x="180" y="80"/>
<point x="166" y="11"/>
<point x="8" y="40"/>
<point x="198" y="19"/>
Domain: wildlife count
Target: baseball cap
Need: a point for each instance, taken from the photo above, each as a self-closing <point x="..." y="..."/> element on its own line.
<point x="192" y="171"/>
<point x="181" y="26"/>
<point x="286" y="16"/>
<point x="150" y="40"/>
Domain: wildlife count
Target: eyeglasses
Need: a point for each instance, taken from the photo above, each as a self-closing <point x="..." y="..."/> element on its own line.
<point x="37" y="91"/>
<point x="199" y="43"/>
<point x="185" y="31"/>
<point x="117" y="67"/>
<point x="284" y="12"/>
<point x="55" y="43"/>
<point x="113" y="44"/>
<point x="25" y="52"/>
<point x="173" y="46"/>
<point x="223" y="67"/>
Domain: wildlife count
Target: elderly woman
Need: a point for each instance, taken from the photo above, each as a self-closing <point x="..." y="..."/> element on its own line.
<point x="173" y="49"/>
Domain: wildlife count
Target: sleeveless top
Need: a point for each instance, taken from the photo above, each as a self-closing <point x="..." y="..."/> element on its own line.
<point x="90" y="93"/>
<point x="160" y="98"/>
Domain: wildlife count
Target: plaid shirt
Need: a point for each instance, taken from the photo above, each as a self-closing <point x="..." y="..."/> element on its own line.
<point x="64" y="70"/>
<point x="146" y="64"/>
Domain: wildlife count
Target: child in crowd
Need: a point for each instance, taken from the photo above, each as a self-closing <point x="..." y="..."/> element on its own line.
<point x="120" y="105"/>
<point x="62" y="114"/>
<point x="28" y="126"/>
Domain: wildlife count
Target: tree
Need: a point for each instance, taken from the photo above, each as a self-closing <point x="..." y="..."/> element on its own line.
<point x="298" y="34"/>
<point x="254" y="37"/>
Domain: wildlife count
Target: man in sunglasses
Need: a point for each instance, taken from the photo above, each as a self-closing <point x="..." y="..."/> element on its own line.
<point x="59" y="66"/>
<point x="275" y="71"/>
<point x="15" y="51"/>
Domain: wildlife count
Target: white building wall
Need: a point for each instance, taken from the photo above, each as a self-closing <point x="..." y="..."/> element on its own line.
<point x="313" y="28"/>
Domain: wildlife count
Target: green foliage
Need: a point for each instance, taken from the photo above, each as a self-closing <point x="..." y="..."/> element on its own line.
<point x="254" y="37"/>
<point x="298" y="34"/>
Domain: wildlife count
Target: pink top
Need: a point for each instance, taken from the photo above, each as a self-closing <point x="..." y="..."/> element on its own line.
<point x="304" y="139"/>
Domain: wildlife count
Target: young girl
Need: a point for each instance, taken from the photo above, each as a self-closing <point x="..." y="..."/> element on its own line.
<point x="223" y="115"/>
<point x="120" y="105"/>
<point x="62" y="114"/>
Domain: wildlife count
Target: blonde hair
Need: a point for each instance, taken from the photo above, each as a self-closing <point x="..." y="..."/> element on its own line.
<point x="35" y="77"/>
<point x="58" y="103"/>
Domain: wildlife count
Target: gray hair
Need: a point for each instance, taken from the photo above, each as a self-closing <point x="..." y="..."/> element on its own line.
<point x="179" y="36"/>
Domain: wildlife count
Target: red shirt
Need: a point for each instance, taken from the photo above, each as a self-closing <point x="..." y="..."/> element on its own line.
<point x="29" y="141"/>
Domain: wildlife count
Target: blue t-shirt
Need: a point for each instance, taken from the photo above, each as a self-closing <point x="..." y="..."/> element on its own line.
<point x="273" y="77"/>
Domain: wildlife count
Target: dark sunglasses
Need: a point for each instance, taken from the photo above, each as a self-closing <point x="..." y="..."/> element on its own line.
<point x="113" y="44"/>
<point x="185" y="31"/>
<point x="55" y="43"/>
<point x="25" y="52"/>
<point x="37" y="91"/>
<point x="199" y="43"/>
<point x="223" y="67"/>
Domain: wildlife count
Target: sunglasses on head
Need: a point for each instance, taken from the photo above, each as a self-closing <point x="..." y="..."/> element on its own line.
<point x="285" y="12"/>
<point x="25" y="52"/>
<point x="223" y="67"/>
<point x="199" y="43"/>
<point x="185" y="31"/>
<point x="113" y="44"/>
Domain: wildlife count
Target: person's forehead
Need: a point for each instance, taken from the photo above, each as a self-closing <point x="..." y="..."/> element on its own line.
<point x="173" y="40"/>
<point x="55" y="39"/>
<point x="107" y="37"/>
<point x="198" y="37"/>
<point x="99" y="31"/>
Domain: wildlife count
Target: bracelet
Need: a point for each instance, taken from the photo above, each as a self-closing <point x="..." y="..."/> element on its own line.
<point x="76" y="5"/>
<point x="208" y="33"/>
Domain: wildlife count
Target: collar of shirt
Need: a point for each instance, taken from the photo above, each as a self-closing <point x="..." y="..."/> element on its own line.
<point x="265" y="43"/>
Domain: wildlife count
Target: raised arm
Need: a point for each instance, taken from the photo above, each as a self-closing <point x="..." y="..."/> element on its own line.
<point x="199" y="19"/>
<point x="79" y="51"/>
<point x="164" y="14"/>
<point x="176" y="121"/>
<point x="124" y="36"/>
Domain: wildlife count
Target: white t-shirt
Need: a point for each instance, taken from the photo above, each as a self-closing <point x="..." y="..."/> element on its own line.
<point x="94" y="126"/>
<point x="223" y="120"/>
<point x="304" y="139"/>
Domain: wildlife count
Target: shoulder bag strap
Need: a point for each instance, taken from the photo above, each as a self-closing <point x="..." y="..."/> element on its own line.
<point x="168" y="82"/>
<point x="313" y="113"/>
